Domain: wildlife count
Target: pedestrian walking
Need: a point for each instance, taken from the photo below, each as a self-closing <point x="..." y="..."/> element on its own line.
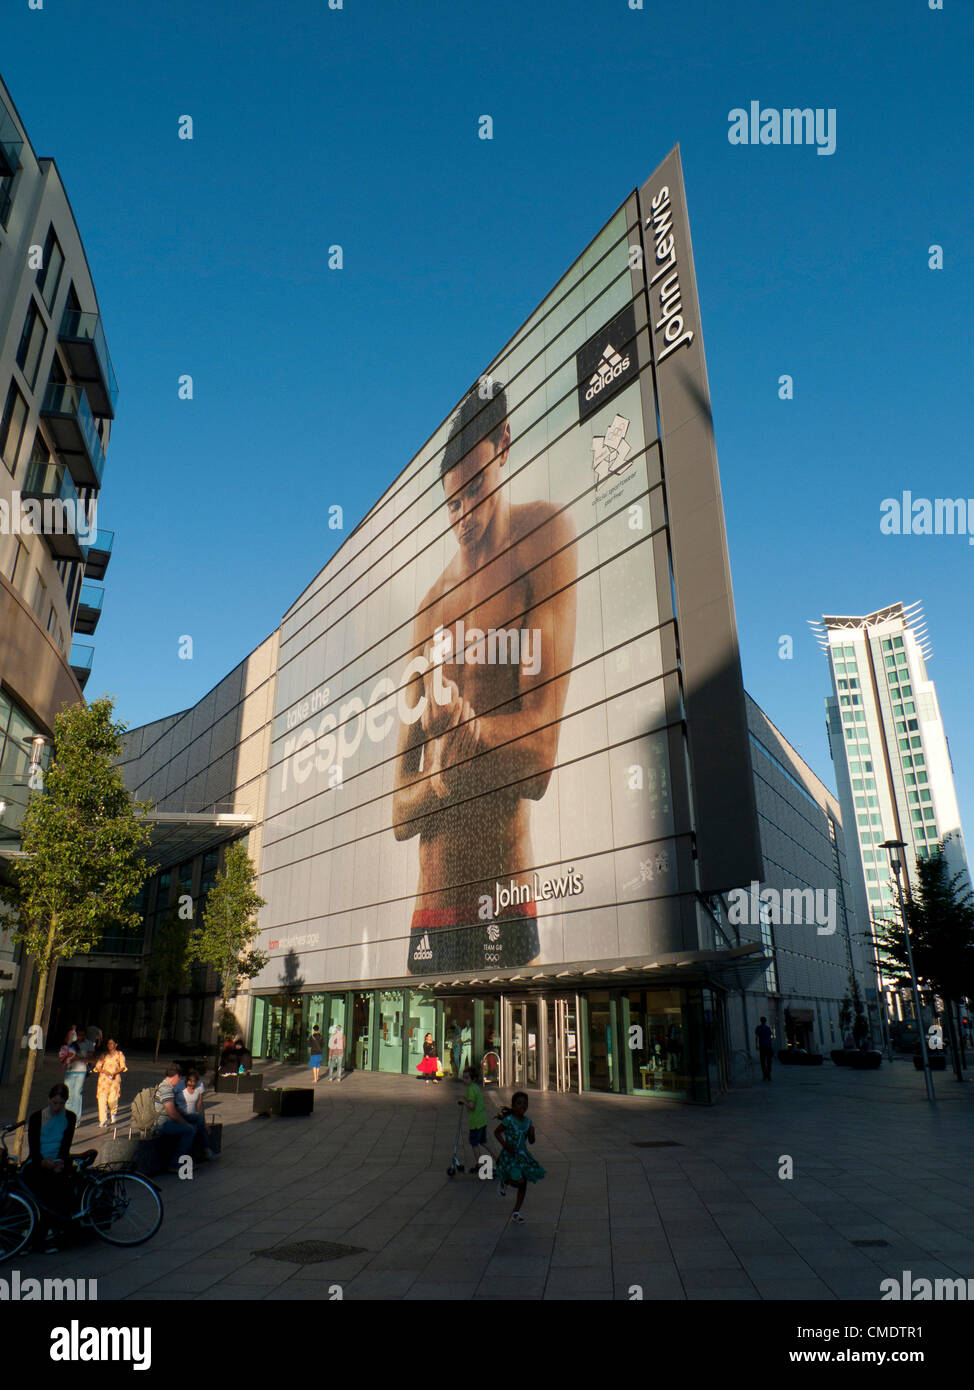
<point x="336" y="1051"/>
<point x="317" y="1045"/>
<point x="765" y="1042"/>
<point x="516" y="1166"/>
<point x="477" y="1118"/>
<point x="430" y="1065"/>
<point x="75" y="1064"/>
<point x="109" y="1068"/>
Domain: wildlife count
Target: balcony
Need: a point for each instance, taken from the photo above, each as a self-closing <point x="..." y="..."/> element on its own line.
<point x="80" y="662"/>
<point x="51" y="485"/>
<point x="99" y="554"/>
<point x="68" y="413"/>
<point x="83" y="340"/>
<point x="89" y="609"/>
<point x="11" y="143"/>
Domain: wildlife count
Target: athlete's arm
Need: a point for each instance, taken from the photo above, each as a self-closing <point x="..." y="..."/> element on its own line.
<point x="419" y="787"/>
<point x="523" y="744"/>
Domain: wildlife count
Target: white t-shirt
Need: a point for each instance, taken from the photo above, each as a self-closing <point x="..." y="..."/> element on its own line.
<point x="190" y="1100"/>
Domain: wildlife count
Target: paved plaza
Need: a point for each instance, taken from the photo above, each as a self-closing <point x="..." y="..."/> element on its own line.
<point x="703" y="1216"/>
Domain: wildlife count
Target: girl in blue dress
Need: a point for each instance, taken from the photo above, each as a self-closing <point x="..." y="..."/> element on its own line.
<point x="516" y="1165"/>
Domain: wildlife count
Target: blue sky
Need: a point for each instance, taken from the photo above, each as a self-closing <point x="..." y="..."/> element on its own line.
<point x="359" y="126"/>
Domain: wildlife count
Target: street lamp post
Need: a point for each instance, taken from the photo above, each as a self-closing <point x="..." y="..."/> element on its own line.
<point x="896" y="866"/>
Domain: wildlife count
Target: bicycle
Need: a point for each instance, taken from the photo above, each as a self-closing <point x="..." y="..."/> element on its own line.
<point x="122" y="1207"/>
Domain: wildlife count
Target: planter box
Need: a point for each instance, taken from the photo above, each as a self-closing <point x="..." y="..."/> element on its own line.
<point x="239" y="1085"/>
<point x="285" y="1100"/>
<point x="938" y="1062"/>
<point x="866" y="1061"/>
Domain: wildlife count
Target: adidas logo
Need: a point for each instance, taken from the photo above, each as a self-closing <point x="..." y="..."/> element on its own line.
<point x="611" y="366"/>
<point x="423" y="949"/>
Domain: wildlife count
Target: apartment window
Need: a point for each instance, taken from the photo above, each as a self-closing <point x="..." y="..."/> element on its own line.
<point x="19" y="560"/>
<point x="897" y="641"/>
<point x="51" y="619"/>
<point x="40" y="594"/>
<point x="12" y="428"/>
<point x="49" y="275"/>
<point x="31" y="344"/>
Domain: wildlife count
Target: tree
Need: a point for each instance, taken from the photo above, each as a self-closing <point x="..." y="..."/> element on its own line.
<point x="82" y="836"/>
<point x="940" y="915"/>
<point x="226" y="936"/>
<point x="169" y="964"/>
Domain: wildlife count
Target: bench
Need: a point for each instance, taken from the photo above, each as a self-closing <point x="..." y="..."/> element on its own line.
<point x="153" y="1153"/>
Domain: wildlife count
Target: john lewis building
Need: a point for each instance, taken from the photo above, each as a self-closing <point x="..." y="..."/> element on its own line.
<point x="506" y="775"/>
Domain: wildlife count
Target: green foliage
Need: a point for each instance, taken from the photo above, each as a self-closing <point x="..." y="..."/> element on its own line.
<point x="845" y="1014"/>
<point x="940" y="915"/>
<point x="169" y="963"/>
<point x="225" y="938"/>
<point x="83" y="839"/>
<point x="229" y="1025"/>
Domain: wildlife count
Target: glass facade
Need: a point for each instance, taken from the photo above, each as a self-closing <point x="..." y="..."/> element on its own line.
<point x="667" y="1043"/>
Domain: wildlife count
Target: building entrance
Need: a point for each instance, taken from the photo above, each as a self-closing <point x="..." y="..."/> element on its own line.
<point x="540" y="1043"/>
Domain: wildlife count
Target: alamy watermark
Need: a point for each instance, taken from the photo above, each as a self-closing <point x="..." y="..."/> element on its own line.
<point x="907" y="515"/>
<point x="789" y="126"/>
<point x="498" y="646"/>
<point x="785" y="906"/>
<point x="52" y="516"/>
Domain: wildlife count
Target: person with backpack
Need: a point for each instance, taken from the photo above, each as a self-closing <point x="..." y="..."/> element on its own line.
<point x="317" y="1045"/>
<point x="336" y="1051"/>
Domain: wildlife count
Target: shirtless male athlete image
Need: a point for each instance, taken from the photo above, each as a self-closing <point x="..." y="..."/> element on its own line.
<point x="486" y="744"/>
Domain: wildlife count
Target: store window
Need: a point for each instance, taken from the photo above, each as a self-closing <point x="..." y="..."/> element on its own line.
<point x="390" y="1030"/>
<point x="422" y="1020"/>
<point x="602" y="1042"/>
<point x="359" y="1045"/>
<point x="458" y="1016"/>
<point x="657" y="1026"/>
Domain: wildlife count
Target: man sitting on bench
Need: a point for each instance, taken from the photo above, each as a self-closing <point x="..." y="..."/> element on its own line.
<point x="171" y="1120"/>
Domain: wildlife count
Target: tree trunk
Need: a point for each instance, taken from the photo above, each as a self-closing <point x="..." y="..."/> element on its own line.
<point x="954" y="1048"/>
<point x="162" y="1021"/>
<point x="43" y="975"/>
<point x="960" y="1034"/>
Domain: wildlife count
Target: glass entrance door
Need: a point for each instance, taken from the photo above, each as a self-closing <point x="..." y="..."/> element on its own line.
<point x="521" y="1043"/>
<point x="562" y="1045"/>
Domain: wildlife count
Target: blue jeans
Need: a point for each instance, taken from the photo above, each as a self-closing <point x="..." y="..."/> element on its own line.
<point x="184" y="1130"/>
<point x="75" y="1082"/>
<point x="334" y="1060"/>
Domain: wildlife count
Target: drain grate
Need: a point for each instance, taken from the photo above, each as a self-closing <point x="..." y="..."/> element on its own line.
<point x="309" y="1252"/>
<point x="862" y="1243"/>
<point x="657" y="1144"/>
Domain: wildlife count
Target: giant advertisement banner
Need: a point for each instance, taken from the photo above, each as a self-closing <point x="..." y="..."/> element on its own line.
<point x="477" y="762"/>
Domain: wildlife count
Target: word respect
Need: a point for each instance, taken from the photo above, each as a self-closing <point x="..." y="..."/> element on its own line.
<point x="338" y="736"/>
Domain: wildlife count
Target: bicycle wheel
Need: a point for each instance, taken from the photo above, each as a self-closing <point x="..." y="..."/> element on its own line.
<point x="17" y="1221"/>
<point x="123" y="1208"/>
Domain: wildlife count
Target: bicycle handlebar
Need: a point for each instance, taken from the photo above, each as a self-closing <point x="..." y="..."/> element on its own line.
<point x="9" y="1129"/>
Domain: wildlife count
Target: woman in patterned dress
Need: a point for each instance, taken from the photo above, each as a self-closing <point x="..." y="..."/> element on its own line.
<point x="109" y="1068"/>
<point x="515" y="1165"/>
